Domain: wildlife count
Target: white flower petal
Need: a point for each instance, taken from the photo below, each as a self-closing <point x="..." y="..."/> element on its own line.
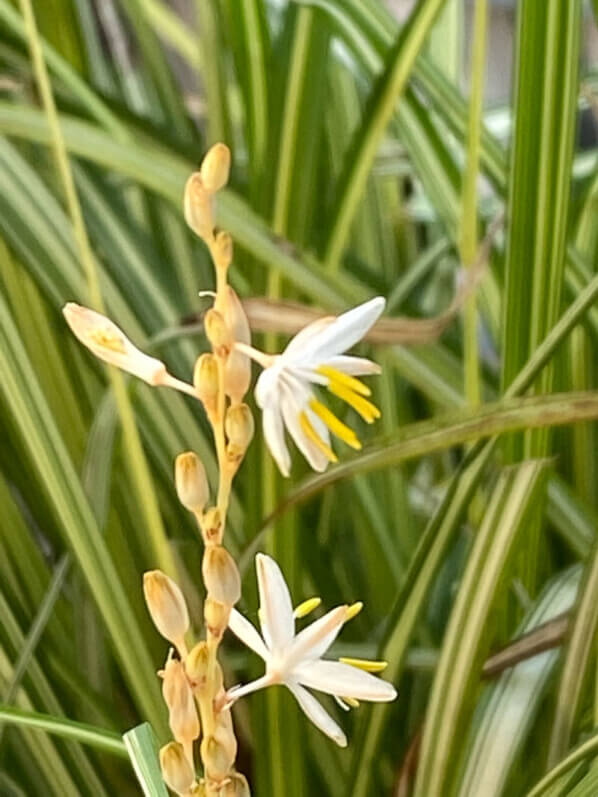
<point x="336" y="678"/>
<point x="314" y="640"/>
<point x="240" y="691"/>
<point x="266" y="387"/>
<point x="339" y="336"/>
<point x="317" y="714"/>
<point x="354" y="366"/>
<point x="291" y="410"/>
<point x="274" y="436"/>
<point x="302" y="338"/>
<point x="275" y="603"/>
<point x="247" y="633"/>
<point x="104" y="339"/>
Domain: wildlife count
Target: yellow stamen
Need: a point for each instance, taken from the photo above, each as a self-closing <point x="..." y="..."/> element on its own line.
<point x="353" y="610"/>
<point x="306" y="607"/>
<point x="344" y="379"/>
<point x="312" y="435"/>
<point x="107" y="339"/>
<point x="365" y="664"/>
<point x="337" y="427"/>
<point x="350" y="701"/>
<point x="368" y="411"/>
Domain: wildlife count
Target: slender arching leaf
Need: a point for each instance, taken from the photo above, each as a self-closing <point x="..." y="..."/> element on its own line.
<point x="43" y="444"/>
<point x="86" y="734"/>
<point x="140" y="744"/>
<point x="452" y="699"/>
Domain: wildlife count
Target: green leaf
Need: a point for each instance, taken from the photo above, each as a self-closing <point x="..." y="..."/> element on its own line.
<point x="508" y="709"/>
<point x="587" y="748"/>
<point x="376" y="117"/>
<point x="140" y="743"/>
<point x="539" y="182"/>
<point x="77" y="731"/>
<point x="468" y="635"/>
<point x="51" y="462"/>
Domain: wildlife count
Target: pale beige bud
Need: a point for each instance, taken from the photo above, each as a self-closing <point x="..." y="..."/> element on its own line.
<point x="196" y="667"/>
<point x="108" y="342"/>
<point x="221" y="575"/>
<point x="196" y="663"/>
<point x="177" y="772"/>
<point x="216" y="615"/>
<point x="178" y="696"/>
<point x="205" y="380"/>
<point x="198" y="209"/>
<point x="237" y="786"/>
<point x="218" y="756"/>
<point x="218" y="333"/>
<point x="191" y="481"/>
<point x="215" y="168"/>
<point x="166" y="605"/>
<point x="222" y="249"/>
<point x="237" y="372"/>
<point x="239" y="427"/>
<point x="211" y="526"/>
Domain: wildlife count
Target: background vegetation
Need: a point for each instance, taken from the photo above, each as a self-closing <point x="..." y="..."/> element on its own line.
<point x="467" y="522"/>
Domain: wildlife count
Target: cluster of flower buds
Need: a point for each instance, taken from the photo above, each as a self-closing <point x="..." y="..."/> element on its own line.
<point x="192" y="680"/>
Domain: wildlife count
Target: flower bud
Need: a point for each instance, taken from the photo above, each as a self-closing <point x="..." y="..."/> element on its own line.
<point x="177" y="772"/>
<point x="236" y="786"/>
<point x="239" y="427"/>
<point x="222" y="249"/>
<point x="178" y="696"/>
<point x="166" y="605"/>
<point x="108" y="342"/>
<point x="211" y="526"/>
<point x="237" y="371"/>
<point x="205" y="380"/>
<point x="215" y="168"/>
<point x="191" y="481"/>
<point x="218" y="333"/>
<point x="218" y="756"/>
<point x="221" y="575"/>
<point x="197" y="204"/>
<point x="196" y="667"/>
<point x="216" y="615"/>
<point x="196" y="663"/>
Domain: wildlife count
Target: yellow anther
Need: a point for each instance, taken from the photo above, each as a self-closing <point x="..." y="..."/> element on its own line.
<point x="306" y="607"/>
<point x="353" y="384"/>
<point x="107" y="339"/>
<point x="368" y="411"/>
<point x="337" y="427"/>
<point x="312" y="435"/>
<point x="365" y="664"/>
<point x="350" y="701"/>
<point x="353" y="610"/>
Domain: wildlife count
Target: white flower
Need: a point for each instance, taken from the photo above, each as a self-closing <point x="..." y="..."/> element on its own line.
<point x="315" y="356"/>
<point x="104" y="339"/>
<point x="295" y="660"/>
